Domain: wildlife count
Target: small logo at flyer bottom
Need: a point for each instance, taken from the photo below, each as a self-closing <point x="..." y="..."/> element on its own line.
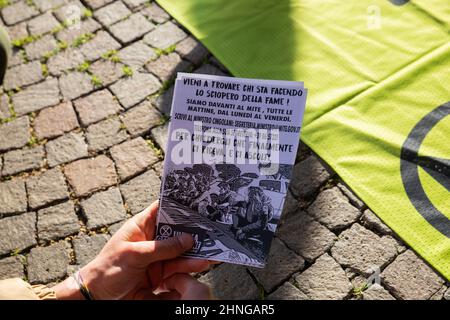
<point x="165" y="232"/>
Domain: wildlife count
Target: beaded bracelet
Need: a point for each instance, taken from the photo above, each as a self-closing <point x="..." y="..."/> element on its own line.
<point x="83" y="288"/>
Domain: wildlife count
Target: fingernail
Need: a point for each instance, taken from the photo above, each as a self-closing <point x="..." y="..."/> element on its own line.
<point x="186" y="240"/>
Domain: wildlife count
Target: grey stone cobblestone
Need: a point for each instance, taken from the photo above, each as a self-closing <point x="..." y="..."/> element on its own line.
<point x="287" y="292"/>
<point x="354" y="200"/>
<point x="57" y="221"/>
<point x="107" y="71"/>
<point x="87" y="26"/>
<point x="87" y="247"/>
<point x="95" y="4"/>
<point x="89" y="175"/>
<point x="22" y="160"/>
<point x="101" y="44"/>
<point x="132" y="28"/>
<point x="45" y="5"/>
<point x="42" y="24"/>
<point x="231" y="282"/>
<point x="306" y="236"/>
<point x="55" y="121"/>
<point x="5" y="111"/>
<point x="325" y="279"/>
<point x="65" y="60"/>
<point x="447" y="294"/>
<point x="163" y="102"/>
<point x="333" y="209"/>
<point x="409" y="278"/>
<point x="104" y="208"/>
<point x="165" y="36"/>
<point x="36" y="97"/>
<point x="131" y="91"/>
<point x="192" y="50"/>
<point x="155" y="13"/>
<point x="66" y="148"/>
<point x="136" y="55"/>
<point x="22" y="75"/>
<point x="48" y="264"/>
<point x="160" y="134"/>
<point x="115" y="227"/>
<point x="141" y="191"/>
<point x="15" y="134"/>
<point x="17" y="12"/>
<point x="46" y="188"/>
<point x="373" y="222"/>
<point x="134" y="4"/>
<point x="66" y="11"/>
<point x="158" y="167"/>
<point x="75" y="84"/>
<point x="13" y="197"/>
<point x="167" y="66"/>
<point x="112" y="13"/>
<point x="362" y="250"/>
<point x="308" y="176"/>
<point x="41" y="47"/>
<point x="377" y="292"/>
<point x="132" y="157"/>
<point x="105" y="134"/>
<point x="291" y="205"/>
<point x="141" y="119"/>
<point x="17" y="57"/>
<point x="17" y="232"/>
<point x="11" y="267"/>
<point x="439" y="295"/>
<point x="96" y="106"/>
<point x="18" y="31"/>
<point x="281" y="264"/>
<point x="210" y="69"/>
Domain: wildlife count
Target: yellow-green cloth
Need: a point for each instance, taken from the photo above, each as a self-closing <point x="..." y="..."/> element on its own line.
<point x="374" y="70"/>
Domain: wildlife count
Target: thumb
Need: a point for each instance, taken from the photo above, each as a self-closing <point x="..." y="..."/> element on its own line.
<point x="187" y="288"/>
<point x="148" y="252"/>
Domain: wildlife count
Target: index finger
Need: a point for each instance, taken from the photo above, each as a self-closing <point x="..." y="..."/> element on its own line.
<point x="188" y="287"/>
<point x="177" y="265"/>
<point x="146" y="220"/>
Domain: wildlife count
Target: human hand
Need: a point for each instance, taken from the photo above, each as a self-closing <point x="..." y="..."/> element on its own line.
<point x="133" y="266"/>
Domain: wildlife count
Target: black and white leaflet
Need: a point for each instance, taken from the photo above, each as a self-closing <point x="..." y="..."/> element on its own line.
<point x="229" y="158"/>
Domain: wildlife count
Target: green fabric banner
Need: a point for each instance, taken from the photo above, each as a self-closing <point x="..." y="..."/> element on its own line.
<point x="378" y="74"/>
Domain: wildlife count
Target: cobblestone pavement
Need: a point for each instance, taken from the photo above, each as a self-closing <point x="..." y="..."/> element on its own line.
<point x="83" y="118"/>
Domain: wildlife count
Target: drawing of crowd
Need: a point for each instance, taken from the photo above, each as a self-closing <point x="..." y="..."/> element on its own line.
<point x="223" y="194"/>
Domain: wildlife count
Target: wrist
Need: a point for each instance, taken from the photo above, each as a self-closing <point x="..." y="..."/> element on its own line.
<point x="68" y="290"/>
<point x="93" y="277"/>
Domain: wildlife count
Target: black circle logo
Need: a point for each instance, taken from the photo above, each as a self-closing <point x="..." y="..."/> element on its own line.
<point x="399" y="2"/>
<point x="165" y="231"/>
<point x="437" y="168"/>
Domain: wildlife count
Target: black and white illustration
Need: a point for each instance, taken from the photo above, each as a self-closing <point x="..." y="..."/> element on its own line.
<point x="231" y="213"/>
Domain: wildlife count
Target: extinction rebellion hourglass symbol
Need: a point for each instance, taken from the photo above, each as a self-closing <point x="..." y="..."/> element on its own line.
<point x="436" y="167"/>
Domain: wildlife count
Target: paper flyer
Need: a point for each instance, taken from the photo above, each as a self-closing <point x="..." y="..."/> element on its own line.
<point x="229" y="157"/>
